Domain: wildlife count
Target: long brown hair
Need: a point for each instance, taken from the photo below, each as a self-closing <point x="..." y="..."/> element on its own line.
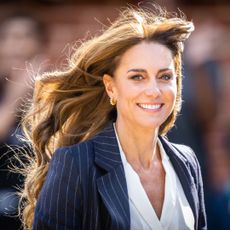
<point x="71" y="106"/>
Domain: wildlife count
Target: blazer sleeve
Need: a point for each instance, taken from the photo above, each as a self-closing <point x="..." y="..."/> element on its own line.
<point x="202" y="221"/>
<point x="59" y="203"/>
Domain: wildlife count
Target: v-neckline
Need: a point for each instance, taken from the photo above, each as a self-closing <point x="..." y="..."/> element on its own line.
<point x="140" y="199"/>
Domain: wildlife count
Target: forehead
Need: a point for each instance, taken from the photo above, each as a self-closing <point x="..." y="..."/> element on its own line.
<point x="148" y="55"/>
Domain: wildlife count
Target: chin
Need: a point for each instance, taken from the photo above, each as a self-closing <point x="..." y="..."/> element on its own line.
<point x="150" y="125"/>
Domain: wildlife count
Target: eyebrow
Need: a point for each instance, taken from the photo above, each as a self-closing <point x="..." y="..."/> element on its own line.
<point x="144" y="71"/>
<point x="137" y="70"/>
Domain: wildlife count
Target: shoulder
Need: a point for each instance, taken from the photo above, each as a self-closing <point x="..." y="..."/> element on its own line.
<point x="61" y="197"/>
<point x="73" y="161"/>
<point x="186" y="156"/>
<point x="82" y="152"/>
<point x="184" y="152"/>
<point x="187" y="152"/>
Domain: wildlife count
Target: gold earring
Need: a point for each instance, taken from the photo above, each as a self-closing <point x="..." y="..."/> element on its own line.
<point x="112" y="101"/>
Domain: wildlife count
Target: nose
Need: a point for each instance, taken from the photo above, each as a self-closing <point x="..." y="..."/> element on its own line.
<point x="152" y="89"/>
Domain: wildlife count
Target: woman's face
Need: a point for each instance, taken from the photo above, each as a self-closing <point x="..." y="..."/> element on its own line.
<point x="144" y="85"/>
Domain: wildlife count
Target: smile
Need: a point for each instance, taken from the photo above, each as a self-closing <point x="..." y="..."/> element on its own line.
<point x="150" y="106"/>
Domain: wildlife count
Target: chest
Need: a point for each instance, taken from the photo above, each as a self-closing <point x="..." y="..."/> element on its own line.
<point x="153" y="182"/>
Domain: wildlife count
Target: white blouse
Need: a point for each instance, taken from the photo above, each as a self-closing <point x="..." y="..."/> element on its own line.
<point x="176" y="213"/>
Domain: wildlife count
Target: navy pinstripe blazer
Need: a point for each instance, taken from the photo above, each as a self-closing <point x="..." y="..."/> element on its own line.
<point x="85" y="187"/>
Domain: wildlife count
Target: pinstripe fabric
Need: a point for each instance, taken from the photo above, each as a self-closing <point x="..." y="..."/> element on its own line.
<point x="85" y="187"/>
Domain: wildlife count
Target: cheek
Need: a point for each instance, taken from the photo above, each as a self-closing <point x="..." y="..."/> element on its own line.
<point x="174" y="91"/>
<point x="171" y="92"/>
<point x="174" y="95"/>
<point x="174" y="84"/>
<point x="126" y="91"/>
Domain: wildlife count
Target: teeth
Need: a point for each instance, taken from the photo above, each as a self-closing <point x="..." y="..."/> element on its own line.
<point x="148" y="106"/>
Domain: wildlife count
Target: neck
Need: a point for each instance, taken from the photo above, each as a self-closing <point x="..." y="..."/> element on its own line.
<point x="139" y="144"/>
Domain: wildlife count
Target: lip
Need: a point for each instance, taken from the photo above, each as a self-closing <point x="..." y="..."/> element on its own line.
<point x="150" y="107"/>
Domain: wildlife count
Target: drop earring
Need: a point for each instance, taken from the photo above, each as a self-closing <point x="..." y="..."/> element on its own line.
<point x="113" y="101"/>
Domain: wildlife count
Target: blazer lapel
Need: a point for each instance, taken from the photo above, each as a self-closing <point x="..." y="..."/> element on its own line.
<point x="182" y="168"/>
<point x="112" y="186"/>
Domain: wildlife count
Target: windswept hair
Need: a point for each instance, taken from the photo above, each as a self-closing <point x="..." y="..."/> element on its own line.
<point x="71" y="106"/>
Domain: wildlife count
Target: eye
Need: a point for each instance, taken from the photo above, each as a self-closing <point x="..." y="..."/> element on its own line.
<point x="166" y="77"/>
<point x="137" y="77"/>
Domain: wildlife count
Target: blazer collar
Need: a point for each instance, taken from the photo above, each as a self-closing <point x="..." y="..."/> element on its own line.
<point x="183" y="170"/>
<point x="112" y="185"/>
<point x="107" y="154"/>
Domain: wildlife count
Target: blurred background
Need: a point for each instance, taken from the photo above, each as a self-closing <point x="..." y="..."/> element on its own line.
<point x="38" y="35"/>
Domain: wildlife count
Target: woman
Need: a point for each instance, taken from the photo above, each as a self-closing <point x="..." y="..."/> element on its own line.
<point x="101" y="160"/>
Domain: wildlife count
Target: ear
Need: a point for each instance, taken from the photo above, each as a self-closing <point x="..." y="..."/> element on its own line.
<point x="109" y="85"/>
